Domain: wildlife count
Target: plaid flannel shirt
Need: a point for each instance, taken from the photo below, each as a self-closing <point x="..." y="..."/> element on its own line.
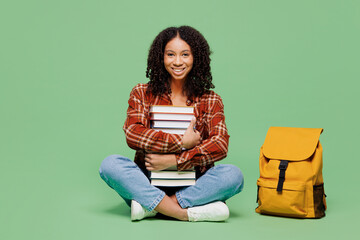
<point x="210" y="122"/>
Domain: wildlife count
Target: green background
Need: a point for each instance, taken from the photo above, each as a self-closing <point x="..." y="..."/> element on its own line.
<point x="66" y="71"/>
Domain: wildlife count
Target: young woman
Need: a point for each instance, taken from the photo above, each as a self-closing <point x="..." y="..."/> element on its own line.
<point x="179" y="73"/>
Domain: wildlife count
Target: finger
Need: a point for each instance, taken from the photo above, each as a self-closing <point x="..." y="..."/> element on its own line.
<point x="148" y="158"/>
<point x="192" y="123"/>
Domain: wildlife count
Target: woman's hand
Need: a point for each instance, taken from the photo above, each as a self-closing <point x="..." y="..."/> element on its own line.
<point x="191" y="136"/>
<point x="157" y="162"/>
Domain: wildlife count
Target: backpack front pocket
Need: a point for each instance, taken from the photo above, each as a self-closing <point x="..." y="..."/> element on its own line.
<point x="290" y="202"/>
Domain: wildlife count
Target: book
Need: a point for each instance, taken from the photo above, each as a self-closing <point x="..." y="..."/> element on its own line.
<point x="171" y="116"/>
<point x="172" y="130"/>
<point x="171" y="177"/>
<point x="172" y="174"/>
<point x="171" y="109"/>
<point x="169" y="124"/>
<point x="173" y="182"/>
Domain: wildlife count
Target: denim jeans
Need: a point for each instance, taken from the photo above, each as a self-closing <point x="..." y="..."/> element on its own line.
<point x="219" y="183"/>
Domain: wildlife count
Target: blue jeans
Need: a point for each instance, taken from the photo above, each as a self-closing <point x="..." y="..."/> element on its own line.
<point x="219" y="183"/>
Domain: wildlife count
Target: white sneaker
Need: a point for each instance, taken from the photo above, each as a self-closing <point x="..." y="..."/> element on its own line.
<point x="215" y="211"/>
<point x="138" y="212"/>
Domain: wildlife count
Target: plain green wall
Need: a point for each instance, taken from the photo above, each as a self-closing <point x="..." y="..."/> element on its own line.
<point x="66" y="70"/>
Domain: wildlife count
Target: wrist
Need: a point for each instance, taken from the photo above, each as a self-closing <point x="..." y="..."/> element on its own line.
<point x="173" y="160"/>
<point x="183" y="146"/>
<point x="176" y="159"/>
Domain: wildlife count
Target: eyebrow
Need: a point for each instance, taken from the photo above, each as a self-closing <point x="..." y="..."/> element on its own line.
<point x="169" y="50"/>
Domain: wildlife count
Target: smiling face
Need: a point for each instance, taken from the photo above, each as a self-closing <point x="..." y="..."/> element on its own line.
<point x="178" y="59"/>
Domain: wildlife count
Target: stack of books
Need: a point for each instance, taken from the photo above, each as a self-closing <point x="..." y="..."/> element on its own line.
<point x="173" y="178"/>
<point x="174" y="120"/>
<point x="171" y="119"/>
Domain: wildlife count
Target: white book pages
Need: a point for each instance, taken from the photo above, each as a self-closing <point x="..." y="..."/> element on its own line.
<point x="172" y="175"/>
<point x="172" y="183"/>
<point x="170" y="124"/>
<point x="171" y="116"/>
<point x="171" y="109"/>
<point x="171" y="130"/>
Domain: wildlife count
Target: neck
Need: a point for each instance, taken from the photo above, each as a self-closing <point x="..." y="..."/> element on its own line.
<point x="177" y="87"/>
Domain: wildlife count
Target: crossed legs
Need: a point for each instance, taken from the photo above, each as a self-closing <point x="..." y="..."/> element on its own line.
<point x="126" y="178"/>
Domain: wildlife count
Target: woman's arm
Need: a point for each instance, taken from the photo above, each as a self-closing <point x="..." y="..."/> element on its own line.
<point x="215" y="147"/>
<point x="156" y="162"/>
<point x="138" y="135"/>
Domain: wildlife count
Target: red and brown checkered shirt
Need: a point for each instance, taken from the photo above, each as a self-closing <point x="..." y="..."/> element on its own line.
<point x="210" y="122"/>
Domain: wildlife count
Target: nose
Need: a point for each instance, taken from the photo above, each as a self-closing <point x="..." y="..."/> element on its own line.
<point x="178" y="61"/>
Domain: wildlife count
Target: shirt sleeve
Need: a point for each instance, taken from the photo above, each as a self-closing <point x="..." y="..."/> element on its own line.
<point x="212" y="149"/>
<point x="138" y="135"/>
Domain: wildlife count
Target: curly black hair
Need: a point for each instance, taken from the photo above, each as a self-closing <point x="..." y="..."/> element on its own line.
<point x="199" y="79"/>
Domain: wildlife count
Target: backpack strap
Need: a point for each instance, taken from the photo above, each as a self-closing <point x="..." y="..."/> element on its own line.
<point x="282" y="166"/>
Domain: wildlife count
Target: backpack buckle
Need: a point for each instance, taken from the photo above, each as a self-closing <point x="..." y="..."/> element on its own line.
<point x="283" y="165"/>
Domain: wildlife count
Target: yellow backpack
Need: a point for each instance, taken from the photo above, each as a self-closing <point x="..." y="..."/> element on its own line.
<point x="291" y="182"/>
